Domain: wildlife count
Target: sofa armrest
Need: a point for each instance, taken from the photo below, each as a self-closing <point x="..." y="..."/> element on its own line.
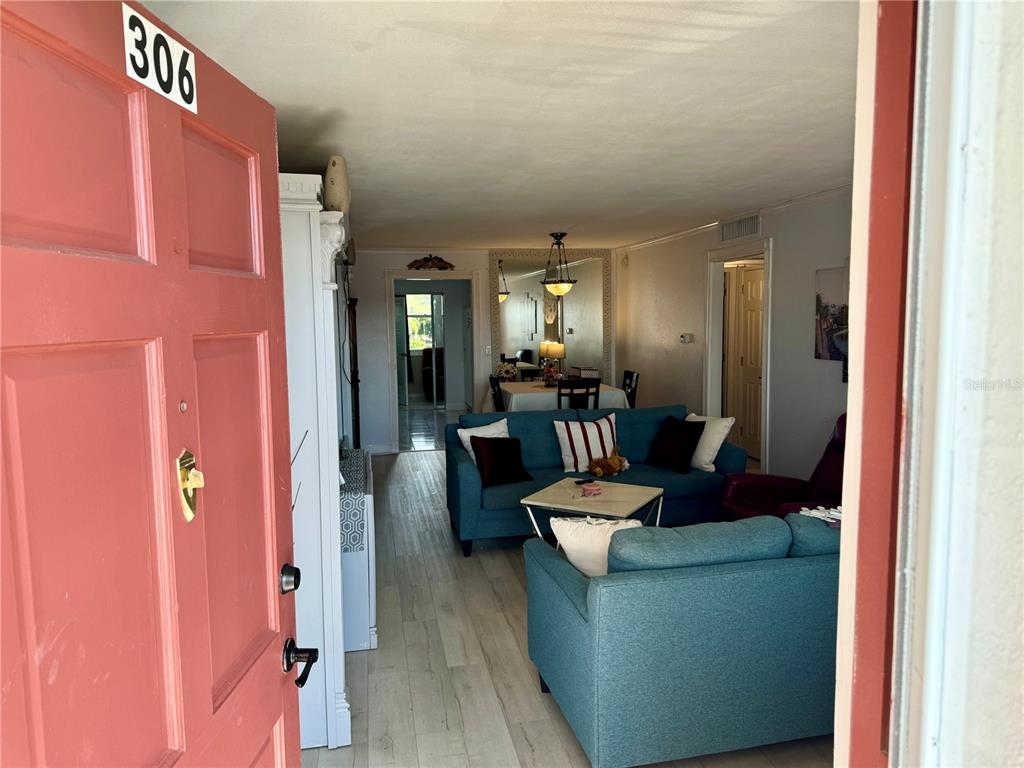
<point x="547" y="563"/>
<point x="763" y="488"/>
<point x="462" y="485"/>
<point x="560" y="637"/>
<point x="731" y="458"/>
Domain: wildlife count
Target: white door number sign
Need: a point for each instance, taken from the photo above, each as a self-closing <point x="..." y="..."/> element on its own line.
<point x="158" y="61"/>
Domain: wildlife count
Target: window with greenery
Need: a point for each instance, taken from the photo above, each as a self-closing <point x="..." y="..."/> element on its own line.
<point x="420" y="320"/>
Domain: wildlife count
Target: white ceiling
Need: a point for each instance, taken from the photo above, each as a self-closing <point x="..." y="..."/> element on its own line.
<point x="492" y="124"/>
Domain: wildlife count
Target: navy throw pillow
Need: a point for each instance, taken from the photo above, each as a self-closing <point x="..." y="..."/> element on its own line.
<point x="500" y="460"/>
<point x="675" y="443"/>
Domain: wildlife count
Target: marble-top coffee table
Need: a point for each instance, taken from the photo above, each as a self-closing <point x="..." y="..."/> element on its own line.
<point x="617" y="500"/>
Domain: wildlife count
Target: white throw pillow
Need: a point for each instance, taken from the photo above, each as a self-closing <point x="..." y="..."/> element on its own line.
<point x="495" y="429"/>
<point x="586" y="539"/>
<point x="711" y="439"/>
<point x="582" y="441"/>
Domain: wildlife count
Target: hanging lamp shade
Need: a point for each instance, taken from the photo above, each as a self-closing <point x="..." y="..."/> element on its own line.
<point x="504" y="292"/>
<point x="556" y="280"/>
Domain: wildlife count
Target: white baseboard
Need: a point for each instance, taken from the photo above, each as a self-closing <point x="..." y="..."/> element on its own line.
<point x="342" y="721"/>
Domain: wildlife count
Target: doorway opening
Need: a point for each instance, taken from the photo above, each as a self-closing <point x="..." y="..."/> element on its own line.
<point x="736" y="366"/>
<point x="742" y="356"/>
<point x="433" y="349"/>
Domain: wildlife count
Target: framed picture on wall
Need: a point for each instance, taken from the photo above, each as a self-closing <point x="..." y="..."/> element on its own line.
<point x="831" y="313"/>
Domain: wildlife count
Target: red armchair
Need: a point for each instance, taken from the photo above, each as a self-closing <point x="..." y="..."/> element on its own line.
<point x="750" y="495"/>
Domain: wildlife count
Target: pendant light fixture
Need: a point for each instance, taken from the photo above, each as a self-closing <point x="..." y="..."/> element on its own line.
<point x="557" y="280"/>
<point x="504" y="293"/>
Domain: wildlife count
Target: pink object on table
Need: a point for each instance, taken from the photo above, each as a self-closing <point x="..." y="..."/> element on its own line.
<point x="591" y="489"/>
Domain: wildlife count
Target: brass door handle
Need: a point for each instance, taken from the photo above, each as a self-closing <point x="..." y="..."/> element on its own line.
<point x="190" y="480"/>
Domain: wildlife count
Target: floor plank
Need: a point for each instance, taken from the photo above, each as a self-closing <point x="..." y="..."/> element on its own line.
<point x="538" y="745"/>
<point x="486" y="735"/>
<point x="392" y="733"/>
<point x="461" y="645"/>
<point x="741" y="758"/>
<point x="514" y="681"/>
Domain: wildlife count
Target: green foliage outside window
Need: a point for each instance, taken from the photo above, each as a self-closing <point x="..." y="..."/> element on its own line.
<point x="420" y="320"/>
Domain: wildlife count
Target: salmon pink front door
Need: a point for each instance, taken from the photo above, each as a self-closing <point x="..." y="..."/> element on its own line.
<point x="141" y="317"/>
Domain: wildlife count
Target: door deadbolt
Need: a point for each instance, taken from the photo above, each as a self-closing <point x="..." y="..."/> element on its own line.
<point x="290" y="578"/>
<point x="293" y="655"/>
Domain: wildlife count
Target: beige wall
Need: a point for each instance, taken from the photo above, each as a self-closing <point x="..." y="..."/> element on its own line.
<point x="661" y="293"/>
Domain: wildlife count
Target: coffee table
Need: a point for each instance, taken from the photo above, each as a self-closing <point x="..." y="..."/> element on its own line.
<point x="617" y="500"/>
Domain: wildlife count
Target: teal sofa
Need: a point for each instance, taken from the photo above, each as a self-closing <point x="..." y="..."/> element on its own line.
<point x="700" y="639"/>
<point x="486" y="513"/>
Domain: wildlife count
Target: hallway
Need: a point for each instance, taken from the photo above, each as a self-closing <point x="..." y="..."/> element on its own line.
<point x="421" y="428"/>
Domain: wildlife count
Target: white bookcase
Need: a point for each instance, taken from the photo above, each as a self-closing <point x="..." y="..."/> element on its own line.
<point x="310" y="240"/>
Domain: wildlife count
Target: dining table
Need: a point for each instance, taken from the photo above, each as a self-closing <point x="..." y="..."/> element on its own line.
<point x="534" y="396"/>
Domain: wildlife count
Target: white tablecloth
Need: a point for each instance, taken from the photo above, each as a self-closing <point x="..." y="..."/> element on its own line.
<point x="534" y="396"/>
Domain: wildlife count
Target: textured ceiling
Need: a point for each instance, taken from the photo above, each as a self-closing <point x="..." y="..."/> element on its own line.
<point x="492" y="124"/>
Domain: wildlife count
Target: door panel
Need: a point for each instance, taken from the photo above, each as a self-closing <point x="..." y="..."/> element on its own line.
<point x="89" y="480"/>
<point x="223" y="194"/>
<point x="132" y="636"/>
<point x="81" y="193"/>
<point x="230" y="381"/>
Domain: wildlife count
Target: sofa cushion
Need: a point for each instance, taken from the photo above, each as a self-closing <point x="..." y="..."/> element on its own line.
<point x="694" y="483"/>
<point x="674" y="444"/>
<point x="495" y="429"/>
<point x="811" y="536"/>
<point x="535" y="430"/>
<point x="643" y="549"/>
<point x="585" y="540"/>
<point x="508" y="496"/>
<point x="500" y="460"/>
<point x="583" y="441"/>
<point x="636" y="427"/>
<point x="711" y="439"/>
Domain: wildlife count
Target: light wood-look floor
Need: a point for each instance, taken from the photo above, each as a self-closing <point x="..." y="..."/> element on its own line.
<point x="451" y="684"/>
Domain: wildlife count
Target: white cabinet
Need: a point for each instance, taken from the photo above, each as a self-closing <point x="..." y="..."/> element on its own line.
<point x="308" y="247"/>
<point x="358" y="561"/>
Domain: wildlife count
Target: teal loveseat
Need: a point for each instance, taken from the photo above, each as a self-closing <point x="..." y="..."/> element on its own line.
<point x="700" y="639"/>
<point x="485" y="513"/>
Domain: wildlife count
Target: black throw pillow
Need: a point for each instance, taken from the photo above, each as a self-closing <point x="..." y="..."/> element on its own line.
<point x="500" y="460"/>
<point x="675" y="443"/>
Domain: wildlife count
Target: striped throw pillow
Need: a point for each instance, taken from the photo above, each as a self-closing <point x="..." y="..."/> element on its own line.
<point x="582" y="441"/>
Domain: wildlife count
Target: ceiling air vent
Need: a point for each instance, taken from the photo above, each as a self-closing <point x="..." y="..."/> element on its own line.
<point x="737" y="228"/>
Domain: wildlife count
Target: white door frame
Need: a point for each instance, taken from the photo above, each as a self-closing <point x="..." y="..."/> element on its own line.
<point x="477" y="300"/>
<point x="714" y="328"/>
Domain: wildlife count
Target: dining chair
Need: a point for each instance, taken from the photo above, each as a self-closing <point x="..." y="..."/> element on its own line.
<point x="630" y="380"/>
<point x="530" y="374"/>
<point x="579" y="392"/>
<point x="496" y="394"/>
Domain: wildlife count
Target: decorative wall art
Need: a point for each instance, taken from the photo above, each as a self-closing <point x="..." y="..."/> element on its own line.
<point x="431" y="262"/>
<point x="831" y="312"/>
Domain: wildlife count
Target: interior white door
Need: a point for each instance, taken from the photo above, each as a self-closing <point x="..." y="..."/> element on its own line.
<point x="751" y="359"/>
